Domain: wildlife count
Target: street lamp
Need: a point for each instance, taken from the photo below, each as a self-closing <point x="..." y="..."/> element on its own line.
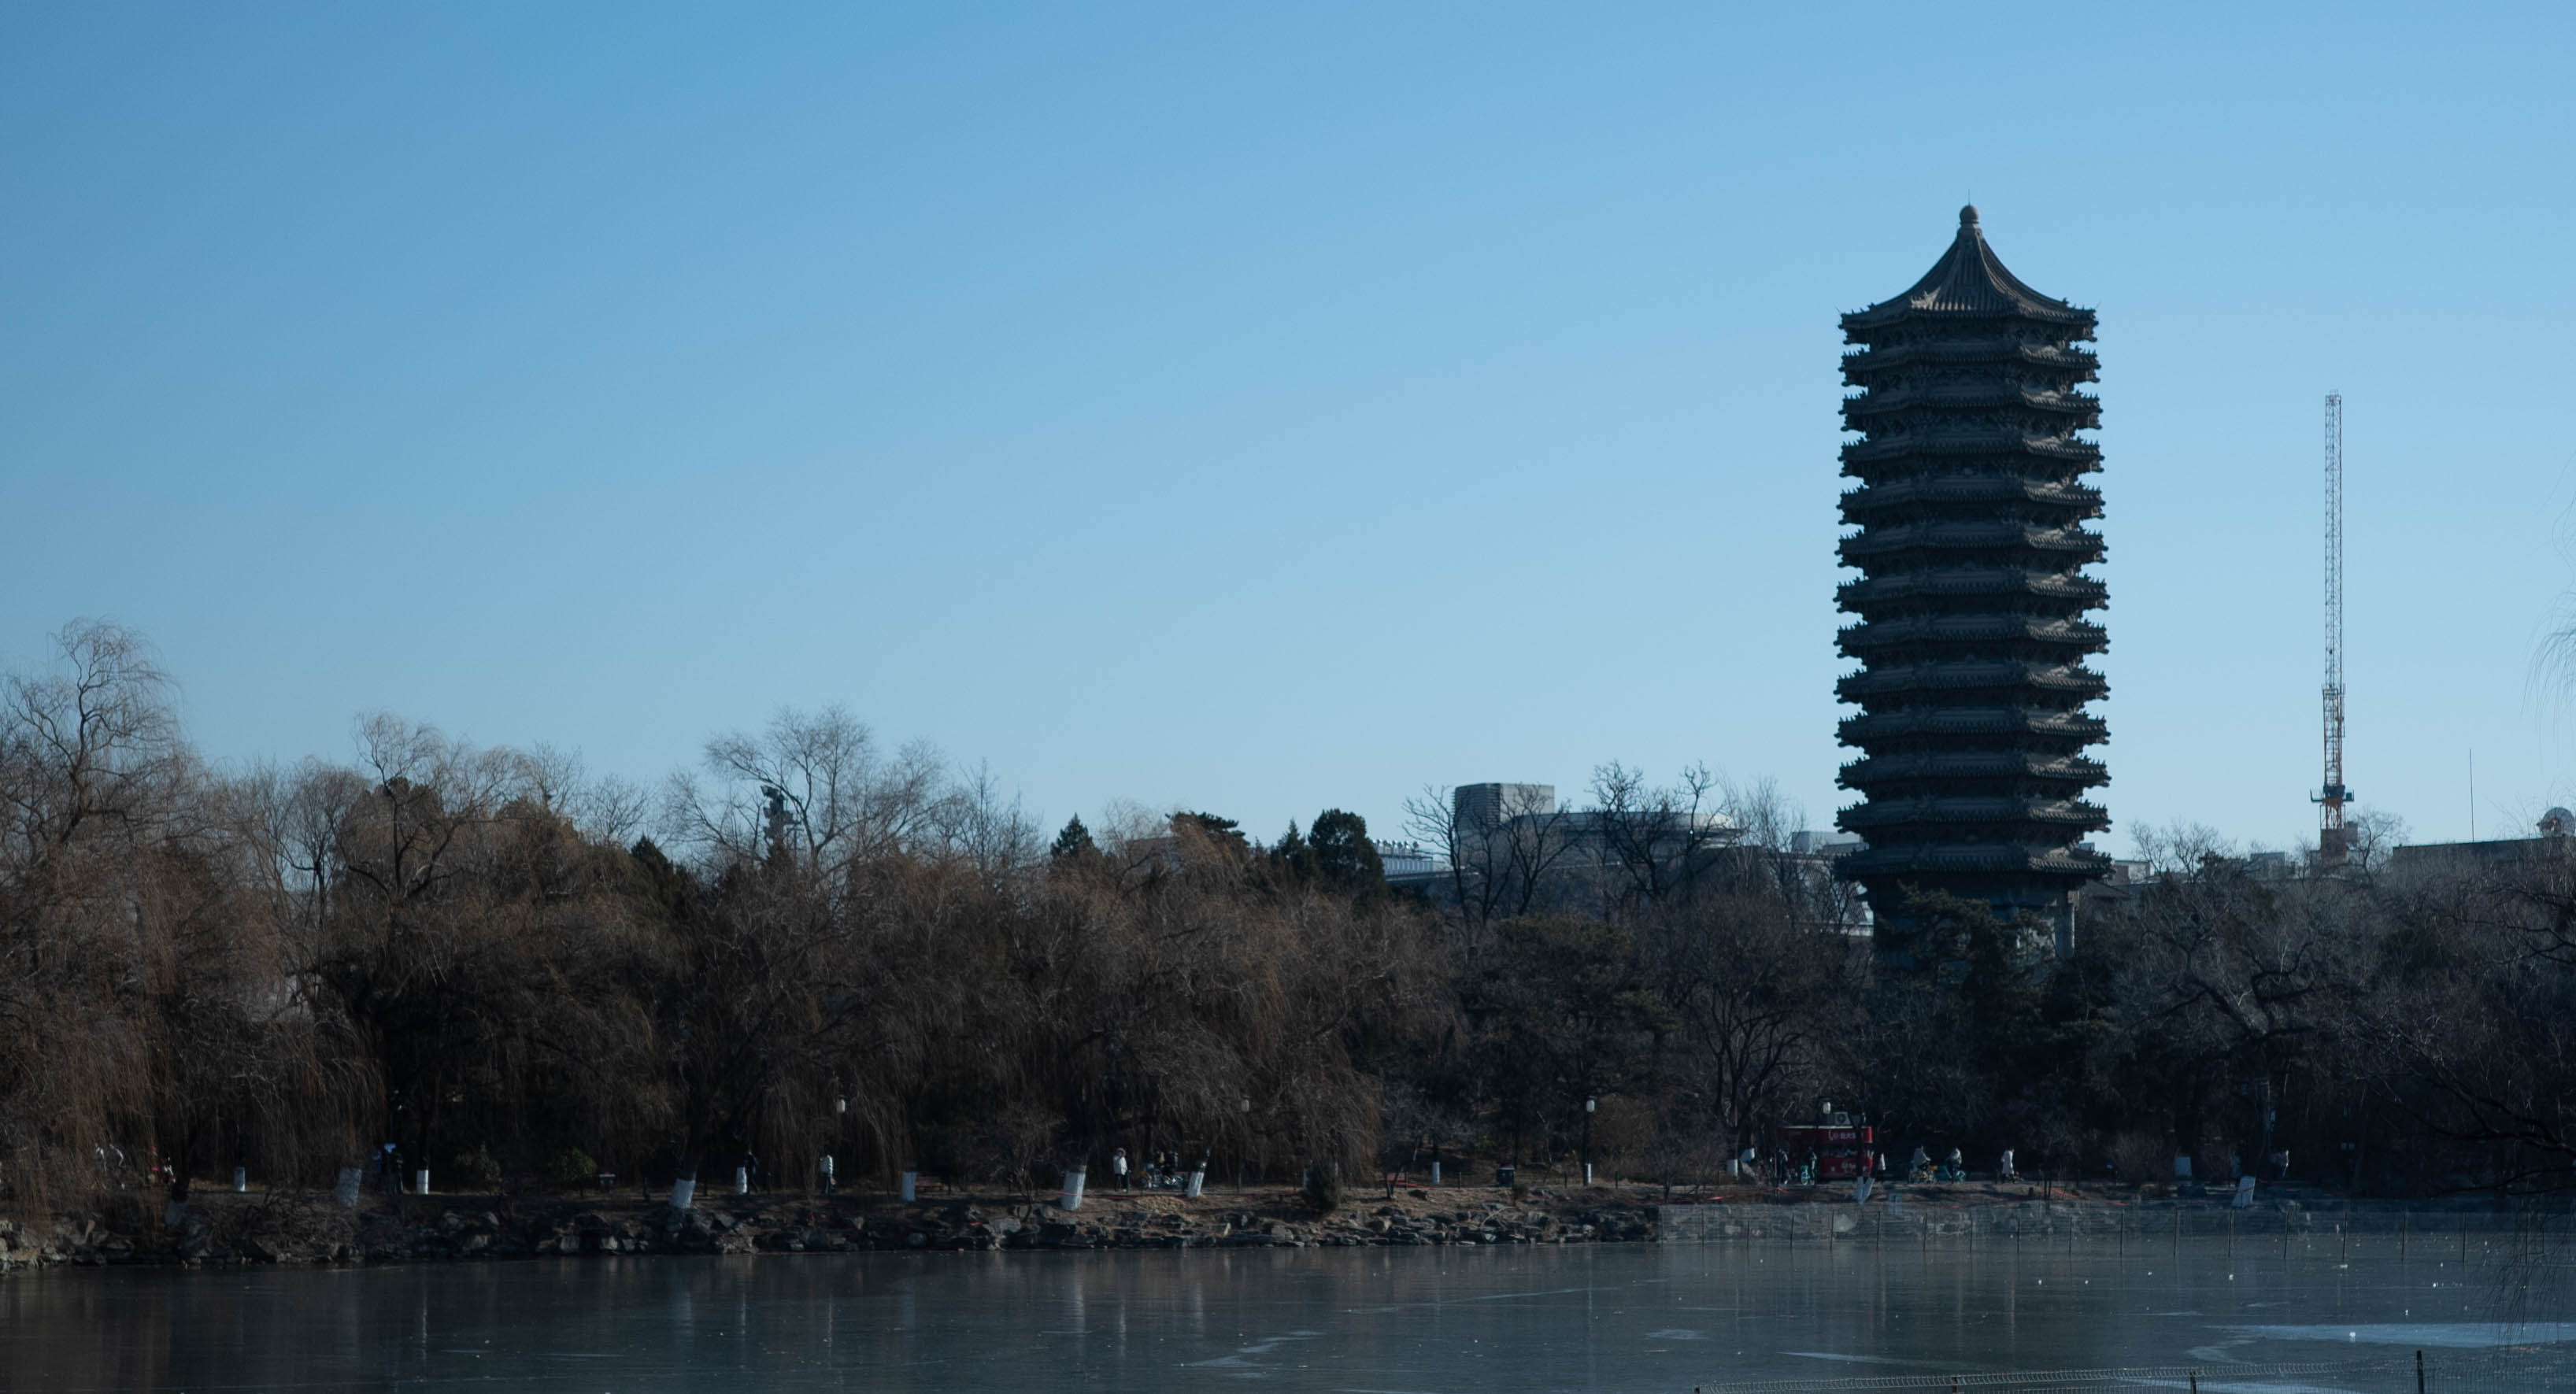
<point x="1589" y="1104"/>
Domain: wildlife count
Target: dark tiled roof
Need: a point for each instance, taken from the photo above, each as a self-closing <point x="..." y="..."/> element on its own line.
<point x="2013" y="586"/>
<point x="1898" y="859"/>
<point x="1969" y="280"/>
<point x="1971" y="629"/>
<point x="1973" y="764"/>
<point x="1992" y="809"/>
<point x="1906" y="723"/>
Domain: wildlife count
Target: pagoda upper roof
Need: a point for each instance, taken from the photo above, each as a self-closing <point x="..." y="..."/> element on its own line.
<point x="1969" y="280"/>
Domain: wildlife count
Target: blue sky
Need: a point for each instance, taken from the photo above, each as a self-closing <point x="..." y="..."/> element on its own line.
<point x="1260" y="408"/>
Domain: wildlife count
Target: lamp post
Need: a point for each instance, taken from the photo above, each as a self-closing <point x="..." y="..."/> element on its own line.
<point x="1589" y="1104"/>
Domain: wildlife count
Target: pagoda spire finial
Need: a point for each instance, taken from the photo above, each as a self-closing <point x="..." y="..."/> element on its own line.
<point x="1969" y="280"/>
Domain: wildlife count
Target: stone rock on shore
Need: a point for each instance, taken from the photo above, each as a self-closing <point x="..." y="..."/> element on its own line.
<point x="288" y="1228"/>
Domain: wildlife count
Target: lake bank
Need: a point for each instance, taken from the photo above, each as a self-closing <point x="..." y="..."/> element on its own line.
<point x="229" y="1229"/>
<point x="1978" y="1212"/>
<point x="287" y="1227"/>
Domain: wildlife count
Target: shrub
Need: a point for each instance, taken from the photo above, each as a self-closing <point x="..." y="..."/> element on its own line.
<point x="572" y="1167"/>
<point x="477" y="1171"/>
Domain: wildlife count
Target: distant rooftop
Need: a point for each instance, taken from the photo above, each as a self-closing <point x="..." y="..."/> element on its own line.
<point x="2464" y="856"/>
<point x="1968" y="280"/>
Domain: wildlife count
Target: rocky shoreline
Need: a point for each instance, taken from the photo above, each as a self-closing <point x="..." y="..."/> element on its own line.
<point x="228" y="1230"/>
<point x="286" y="1228"/>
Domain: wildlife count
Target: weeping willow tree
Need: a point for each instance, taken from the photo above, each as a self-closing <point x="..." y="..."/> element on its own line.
<point x="824" y="948"/>
<point x="881" y="967"/>
<point x="147" y="1015"/>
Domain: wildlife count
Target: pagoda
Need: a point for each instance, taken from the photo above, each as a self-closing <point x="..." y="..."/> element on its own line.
<point x="1972" y="595"/>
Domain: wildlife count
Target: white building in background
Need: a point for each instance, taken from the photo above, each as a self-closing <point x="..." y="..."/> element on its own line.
<point x="1489" y="806"/>
<point x="1566" y="858"/>
<point x="1497" y="810"/>
<point x="1410" y="863"/>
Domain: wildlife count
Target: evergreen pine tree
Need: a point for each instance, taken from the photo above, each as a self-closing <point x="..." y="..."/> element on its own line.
<point x="1074" y="842"/>
<point x="1343" y="856"/>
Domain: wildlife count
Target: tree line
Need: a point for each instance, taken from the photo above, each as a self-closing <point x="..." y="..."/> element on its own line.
<point x="813" y="944"/>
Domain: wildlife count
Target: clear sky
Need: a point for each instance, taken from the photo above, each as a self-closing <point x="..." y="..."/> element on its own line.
<point x="1266" y="407"/>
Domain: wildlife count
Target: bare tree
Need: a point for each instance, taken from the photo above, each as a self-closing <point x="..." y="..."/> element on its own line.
<point x="91" y="769"/>
<point x="814" y="786"/>
<point x="1761" y="1001"/>
<point x="1655" y="842"/>
<point x="606" y="808"/>
<point x="1504" y="862"/>
<point x="2472" y="1019"/>
<point x="2225" y="984"/>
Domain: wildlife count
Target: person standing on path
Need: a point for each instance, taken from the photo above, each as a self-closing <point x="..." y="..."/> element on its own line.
<point x="1118" y="1167"/>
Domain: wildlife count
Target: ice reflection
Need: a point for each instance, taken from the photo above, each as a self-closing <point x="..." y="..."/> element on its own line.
<point x="1503" y="1319"/>
<point x="2457" y="1335"/>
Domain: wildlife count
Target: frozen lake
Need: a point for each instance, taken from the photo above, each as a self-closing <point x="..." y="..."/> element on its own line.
<point x="1579" y="1317"/>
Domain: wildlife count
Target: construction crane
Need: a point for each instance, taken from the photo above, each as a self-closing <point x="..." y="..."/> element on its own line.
<point x="2334" y="843"/>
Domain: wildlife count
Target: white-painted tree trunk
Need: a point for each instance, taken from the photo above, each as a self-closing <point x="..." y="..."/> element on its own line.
<point x="241" y="1179"/>
<point x="1072" y="1197"/>
<point x="1198" y="1182"/>
<point x="420" y="1182"/>
<point x="742" y="1181"/>
<point x="346" y="1192"/>
<point x="911" y="1183"/>
<point x="684" y="1191"/>
<point x="1435" y="1173"/>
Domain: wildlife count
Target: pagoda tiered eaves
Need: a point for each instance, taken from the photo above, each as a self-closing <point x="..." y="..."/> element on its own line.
<point x="1972" y="633"/>
<point x="1957" y="584"/>
<point x="1984" y="489"/>
<point x="1895" y="637"/>
<point x="1926" y="682"/>
<point x="1968" y="438"/>
<point x="1934" y="727"/>
<point x="1884" y="771"/>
